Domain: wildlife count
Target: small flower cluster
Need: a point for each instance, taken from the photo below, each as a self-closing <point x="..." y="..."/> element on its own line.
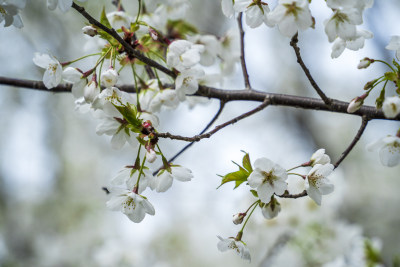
<point x="292" y="16"/>
<point x="390" y="105"/>
<point x="268" y="180"/>
<point x="289" y="15"/>
<point x="125" y="117"/>
<point x="341" y="27"/>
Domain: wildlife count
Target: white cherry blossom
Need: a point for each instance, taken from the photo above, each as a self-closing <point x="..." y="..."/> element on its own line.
<point x="319" y="157"/>
<point x="91" y="91"/>
<point x="353" y="44"/>
<point x="256" y="12"/>
<point x="74" y="76"/>
<point x="211" y="49"/>
<point x="111" y="121"/>
<point x="63" y="5"/>
<point x="359" y="4"/>
<point x="388" y="148"/>
<point x="268" y="178"/>
<point x="109" y="78"/>
<point x="343" y="24"/>
<point x="187" y="82"/>
<point x="9" y="13"/>
<point x="129" y="175"/>
<point x="391" y="106"/>
<point x="53" y="70"/>
<point x="394" y="44"/>
<point x="239" y="247"/>
<point x="129" y="203"/>
<point x="183" y="54"/>
<point x="167" y="98"/>
<point x="291" y="16"/>
<point x="164" y="178"/>
<point x="317" y="183"/>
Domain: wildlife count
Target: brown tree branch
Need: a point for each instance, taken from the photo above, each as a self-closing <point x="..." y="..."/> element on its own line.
<point x="293" y="43"/>
<point x="242" y="56"/>
<point x="197" y="138"/>
<point x="127" y="47"/>
<point x="221" y="107"/>
<point x="354" y="142"/>
<point x="232" y="95"/>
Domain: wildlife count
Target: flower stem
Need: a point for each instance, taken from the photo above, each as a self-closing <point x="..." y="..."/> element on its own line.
<point x="73" y="61"/>
<point x="140" y="172"/>
<point x="387" y="64"/>
<point x="248" y="217"/>
<point x="302" y="165"/>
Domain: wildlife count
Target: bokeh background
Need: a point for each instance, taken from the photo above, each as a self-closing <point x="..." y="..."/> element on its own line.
<point x="53" y="165"/>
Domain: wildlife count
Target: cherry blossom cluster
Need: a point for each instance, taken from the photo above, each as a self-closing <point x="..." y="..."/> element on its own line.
<point x="389" y="146"/>
<point x="161" y="34"/>
<point x="293" y="16"/>
<point x="267" y="181"/>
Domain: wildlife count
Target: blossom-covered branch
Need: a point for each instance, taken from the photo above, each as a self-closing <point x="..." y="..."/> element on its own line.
<point x="128" y="48"/>
<point x="337" y="106"/>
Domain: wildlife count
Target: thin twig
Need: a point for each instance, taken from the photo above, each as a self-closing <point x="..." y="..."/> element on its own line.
<point x="287" y="195"/>
<point x="217" y="128"/>
<point x="293" y="43"/>
<point x="221" y="107"/>
<point x="242" y="56"/>
<point x="231" y="95"/>
<point x="354" y="142"/>
<point x="127" y="47"/>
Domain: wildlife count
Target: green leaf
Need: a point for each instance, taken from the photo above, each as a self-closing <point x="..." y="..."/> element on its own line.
<point x="247" y="163"/>
<point x="129" y="113"/>
<point x="103" y="18"/>
<point x="238" y="177"/>
<point x="254" y="192"/>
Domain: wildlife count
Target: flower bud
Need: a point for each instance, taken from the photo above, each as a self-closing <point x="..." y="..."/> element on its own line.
<point x="90" y="91"/>
<point x="151" y="156"/>
<point x="238" y="218"/>
<point x="153" y="34"/>
<point x="89" y="30"/>
<point x="364" y="63"/>
<point x="356" y="103"/>
<point x="109" y="78"/>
